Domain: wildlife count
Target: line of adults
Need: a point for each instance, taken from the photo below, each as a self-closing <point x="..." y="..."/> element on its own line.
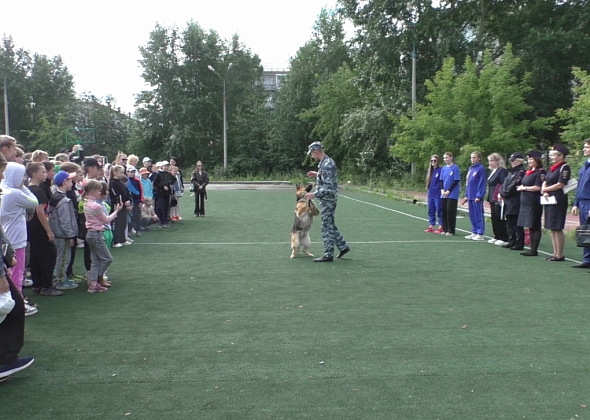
<point x="518" y="198"/>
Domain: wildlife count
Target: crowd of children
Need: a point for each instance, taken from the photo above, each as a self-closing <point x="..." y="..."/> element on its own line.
<point x="50" y="207"/>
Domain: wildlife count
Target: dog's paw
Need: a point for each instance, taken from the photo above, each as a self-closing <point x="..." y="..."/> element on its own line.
<point x="292" y="255"/>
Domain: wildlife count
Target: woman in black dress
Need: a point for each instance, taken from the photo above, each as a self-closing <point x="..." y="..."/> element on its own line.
<point x="531" y="209"/>
<point x="199" y="181"/>
<point x="555" y="180"/>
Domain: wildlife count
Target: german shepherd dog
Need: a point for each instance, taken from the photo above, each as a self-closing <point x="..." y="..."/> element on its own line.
<point x="304" y="212"/>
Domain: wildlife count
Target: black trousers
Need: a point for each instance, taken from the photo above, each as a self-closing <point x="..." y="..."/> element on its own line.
<point x="498" y="225"/>
<point x="515" y="232"/>
<point x="43" y="255"/>
<point x="163" y="209"/>
<point x="136" y="217"/>
<point x="119" y="236"/>
<point x="449" y="210"/>
<point x="200" y="203"/>
<point x="12" y="329"/>
<point x="87" y="256"/>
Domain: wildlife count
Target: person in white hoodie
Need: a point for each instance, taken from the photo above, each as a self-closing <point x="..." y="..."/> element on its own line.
<point x="13" y="216"/>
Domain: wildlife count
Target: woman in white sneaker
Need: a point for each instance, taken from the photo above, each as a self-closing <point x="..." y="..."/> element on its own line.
<point x="475" y="191"/>
<point x="495" y="181"/>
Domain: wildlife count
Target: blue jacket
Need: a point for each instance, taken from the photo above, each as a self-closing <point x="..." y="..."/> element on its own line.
<point x="476" y="182"/>
<point x="434" y="187"/>
<point x="583" y="191"/>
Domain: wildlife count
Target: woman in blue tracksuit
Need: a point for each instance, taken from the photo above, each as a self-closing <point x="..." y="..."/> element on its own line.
<point x="450" y="179"/>
<point x="434" y="198"/>
<point x="475" y="192"/>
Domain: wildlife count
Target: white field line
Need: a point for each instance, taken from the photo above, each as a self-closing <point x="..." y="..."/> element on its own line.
<point x="426" y="220"/>
<point x="288" y="243"/>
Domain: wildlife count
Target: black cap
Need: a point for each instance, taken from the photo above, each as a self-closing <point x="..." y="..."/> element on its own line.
<point x="91" y="162"/>
<point x="561" y="149"/>
<point x="514" y="156"/>
<point x="534" y="154"/>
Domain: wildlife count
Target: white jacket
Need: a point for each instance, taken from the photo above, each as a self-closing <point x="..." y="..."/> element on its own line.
<point x="13" y="212"/>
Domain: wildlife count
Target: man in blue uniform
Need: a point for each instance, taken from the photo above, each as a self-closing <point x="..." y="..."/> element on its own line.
<point x="475" y="192"/>
<point x="327" y="192"/>
<point x="582" y="201"/>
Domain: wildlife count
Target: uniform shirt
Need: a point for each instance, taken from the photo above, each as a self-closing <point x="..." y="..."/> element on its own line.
<point x="448" y="175"/>
<point x="434" y="187"/>
<point x="583" y="191"/>
<point x="476" y="182"/>
<point x="327" y="180"/>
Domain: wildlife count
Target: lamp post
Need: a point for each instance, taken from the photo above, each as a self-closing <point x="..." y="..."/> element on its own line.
<point x="224" y="115"/>
<point x="413" y="74"/>
<point x="6" y="120"/>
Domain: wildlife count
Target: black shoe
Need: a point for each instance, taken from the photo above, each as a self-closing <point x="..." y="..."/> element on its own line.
<point x="343" y="252"/>
<point x="529" y="254"/>
<point x="554" y="258"/>
<point x="581" y="265"/>
<point x="508" y="245"/>
<point x="324" y="258"/>
<point x="517" y="248"/>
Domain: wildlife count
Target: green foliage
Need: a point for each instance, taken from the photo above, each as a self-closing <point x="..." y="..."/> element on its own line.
<point x="577" y="118"/>
<point x="468" y="111"/>
<point x="182" y="113"/>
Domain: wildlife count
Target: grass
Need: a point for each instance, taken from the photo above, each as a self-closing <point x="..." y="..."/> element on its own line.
<point x="211" y="320"/>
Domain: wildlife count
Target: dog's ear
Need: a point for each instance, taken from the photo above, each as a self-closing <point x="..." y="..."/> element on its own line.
<point x="297" y="186"/>
<point x="309" y="187"/>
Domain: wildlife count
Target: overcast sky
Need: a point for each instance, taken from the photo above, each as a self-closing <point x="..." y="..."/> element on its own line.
<point x="99" y="40"/>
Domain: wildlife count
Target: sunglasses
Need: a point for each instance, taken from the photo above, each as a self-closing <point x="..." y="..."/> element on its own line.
<point x="434" y="160"/>
<point x="123" y="159"/>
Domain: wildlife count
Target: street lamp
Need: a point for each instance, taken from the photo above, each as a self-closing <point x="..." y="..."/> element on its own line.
<point x="6" y="120"/>
<point x="224" y="115"/>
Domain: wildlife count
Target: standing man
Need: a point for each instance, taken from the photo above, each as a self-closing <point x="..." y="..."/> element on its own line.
<point x="475" y="192"/>
<point x="327" y="192"/>
<point x="582" y="201"/>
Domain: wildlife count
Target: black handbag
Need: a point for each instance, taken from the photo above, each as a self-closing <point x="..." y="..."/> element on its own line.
<point x="583" y="234"/>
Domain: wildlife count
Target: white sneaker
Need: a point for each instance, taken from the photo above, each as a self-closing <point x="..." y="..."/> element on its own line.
<point x="30" y="310"/>
<point x="478" y="238"/>
<point x="118" y="246"/>
<point x="501" y="243"/>
<point x="133" y="232"/>
<point x="449" y="234"/>
<point x="129" y="240"/>
<point x="28" y="283"/>
<point x="127" y="243"/>
<point x="492" y="241"/>
<point x="470" y="236"/>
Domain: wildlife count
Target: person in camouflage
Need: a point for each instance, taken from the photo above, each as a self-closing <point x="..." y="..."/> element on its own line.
<point x="327" y="192"/>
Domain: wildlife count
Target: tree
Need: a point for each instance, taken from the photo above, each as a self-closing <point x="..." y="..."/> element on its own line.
<point x="469" y="111"/>
<point x="577" y="118"/>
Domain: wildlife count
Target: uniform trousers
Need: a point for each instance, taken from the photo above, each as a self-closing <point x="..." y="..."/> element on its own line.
<point x="515" y="232"/>
<point x="584" y="208"/>
<point x="476" y="217"/>
<point x="449" y="211"/>
<point x="330" y="233"/>
<point x="434" y="210"/>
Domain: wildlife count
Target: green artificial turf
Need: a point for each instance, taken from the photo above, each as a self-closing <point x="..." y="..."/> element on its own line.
<point x="210" y="319"/>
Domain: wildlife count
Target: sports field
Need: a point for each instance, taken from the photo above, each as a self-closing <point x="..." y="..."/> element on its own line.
<point x="210" y="319"/>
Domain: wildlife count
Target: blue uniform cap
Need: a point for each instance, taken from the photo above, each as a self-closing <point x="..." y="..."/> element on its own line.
<point x="314" y="146"/>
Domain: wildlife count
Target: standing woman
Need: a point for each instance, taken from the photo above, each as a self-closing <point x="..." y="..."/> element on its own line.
<point x="434" y="198"/>
<point x="495" y="181"/>
<point x="450" y="177"/>
<point x="475" y="191"/>
<point x="199" y="180"/>
<point x="555" y="215"/>
<point x="179" y="186"/>
<point x="531" y="209"/>
<point x="511" y="200"/>
<point x="119" y="194"/>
